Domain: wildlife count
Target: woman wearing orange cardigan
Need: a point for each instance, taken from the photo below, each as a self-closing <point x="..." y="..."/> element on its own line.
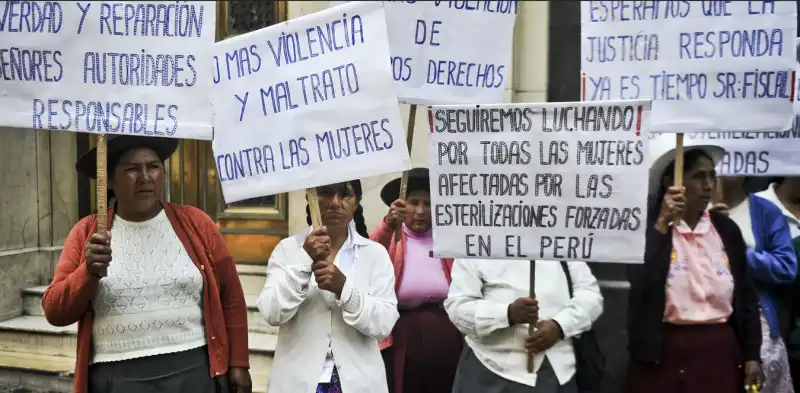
<point x="422" y="353"/>
<point x="166" y="313"/>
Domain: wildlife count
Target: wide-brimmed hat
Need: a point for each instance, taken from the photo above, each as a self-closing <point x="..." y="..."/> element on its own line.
<point x="418" y="179"/>
<point x="119" y="144"/>
<point x="662" y="154"/>
<point x="755" y="185"/>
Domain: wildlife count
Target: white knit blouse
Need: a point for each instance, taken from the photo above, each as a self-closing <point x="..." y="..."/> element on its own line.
<point x="151" y="301"/>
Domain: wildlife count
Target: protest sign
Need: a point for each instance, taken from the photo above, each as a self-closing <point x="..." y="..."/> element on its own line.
<point x="306" y="103"/>
<point x="561" y="181"/>
<point x="450" y="52"/>
<point x="126" y="67"/>
<point x="755" y="153"/>
<point x="752" y="153"/>
<point x="708" y="66"/>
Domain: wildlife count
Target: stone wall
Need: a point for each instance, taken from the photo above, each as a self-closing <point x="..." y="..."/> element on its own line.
<point x="38" y="206"/>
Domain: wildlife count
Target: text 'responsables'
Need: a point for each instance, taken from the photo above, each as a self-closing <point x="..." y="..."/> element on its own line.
<point x="143" y="67"/>
<point x="735" y="54"/>
<point x="316" y="90"/>
<point x="538" y="181"/>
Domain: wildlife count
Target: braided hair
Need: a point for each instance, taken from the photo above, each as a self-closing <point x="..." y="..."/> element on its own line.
<point x="358" y="215"/>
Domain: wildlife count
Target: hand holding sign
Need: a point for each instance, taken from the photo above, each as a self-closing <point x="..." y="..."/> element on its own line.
<point x="672" y="208"/>
<point x="397" y="214"/>
<point x="523" y="310"/>
<point x="547" y="333"/>
<point x="318" y="244"/>
<point x="329" y="277"/>
<point x="98" y="254"/>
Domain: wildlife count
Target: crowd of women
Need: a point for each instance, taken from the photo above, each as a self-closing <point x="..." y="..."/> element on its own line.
<point x="711" y="309"/>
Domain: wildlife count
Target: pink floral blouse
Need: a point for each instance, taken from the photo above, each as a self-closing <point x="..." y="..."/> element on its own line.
<point x="699" y="283"/>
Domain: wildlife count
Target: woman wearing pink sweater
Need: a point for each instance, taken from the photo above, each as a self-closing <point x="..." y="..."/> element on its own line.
<point x="422" y="353"/>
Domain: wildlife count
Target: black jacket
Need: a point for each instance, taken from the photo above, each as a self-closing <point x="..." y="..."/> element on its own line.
<point x="647" y="297"/>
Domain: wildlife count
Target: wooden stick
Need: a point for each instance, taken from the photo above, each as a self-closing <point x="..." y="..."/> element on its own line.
<point x="678" y="177"/>
<point x="531" y="293"/>
<point x="412" y="117"/>
<point x="102" y="190"/>
<point x="313" y="207"/>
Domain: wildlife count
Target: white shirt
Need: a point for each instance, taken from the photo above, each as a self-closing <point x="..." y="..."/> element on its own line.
<point x="151" y="301"/>
<point x="794" y="223"/>
<point x="344" y="261"/>
<point x="311" y="320"/>
<point x="482" y="290"/>
<point x="741" y="216"/>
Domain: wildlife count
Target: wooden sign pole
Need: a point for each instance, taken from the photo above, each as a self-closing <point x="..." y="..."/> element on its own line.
<point x="678" y="176"/>
<point x="313" y="207"/>
<point x="102" y="189"/>
<point x="412" y="117"/>
<point x="531" y="293"/>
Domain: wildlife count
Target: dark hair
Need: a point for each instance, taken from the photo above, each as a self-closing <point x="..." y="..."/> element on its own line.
<point x="690" y="161"/>
<point x="358" y="215"/>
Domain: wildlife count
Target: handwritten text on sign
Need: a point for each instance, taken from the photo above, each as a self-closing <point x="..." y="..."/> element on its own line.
<point x="752" y="153"/>
<point x="540" y="181"/>
<point x="125" y="67"/>
<point x="453" y="52"/>
<point x="708" y="65"/>
<point x="306" y="103"/>
<point x="755" y="153"/>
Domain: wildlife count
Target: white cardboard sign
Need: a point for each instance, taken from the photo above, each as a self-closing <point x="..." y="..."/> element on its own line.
<point x="756" y="153"/>
<point x="557" y="181"/>
<point x="306" y="103"/>
<point x="752" y="153"/>
<point x="450" y="52"/>
<point x="708" y="66"/>
<point x="127" y="67"/>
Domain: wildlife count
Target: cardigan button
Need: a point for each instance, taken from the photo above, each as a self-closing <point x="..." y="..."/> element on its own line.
<point x="202" y="267"/>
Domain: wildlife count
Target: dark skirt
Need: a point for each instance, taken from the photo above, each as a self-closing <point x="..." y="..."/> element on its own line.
<point x="181" y="372"/>
<point x="694" y="359"/>
<point x="474" y="377"/>
<point x="424" y="354"/>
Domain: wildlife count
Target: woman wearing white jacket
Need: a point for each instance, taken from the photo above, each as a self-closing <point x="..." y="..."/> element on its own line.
<point x="331" y="292"/>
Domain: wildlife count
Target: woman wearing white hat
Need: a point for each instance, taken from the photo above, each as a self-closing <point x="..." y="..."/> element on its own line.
<point x="693" y="322"/>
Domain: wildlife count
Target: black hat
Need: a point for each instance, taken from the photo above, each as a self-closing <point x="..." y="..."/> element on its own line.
<point x="117" y="145"/>
<point x="418" y="179"/>
<point x="755" y="185"/>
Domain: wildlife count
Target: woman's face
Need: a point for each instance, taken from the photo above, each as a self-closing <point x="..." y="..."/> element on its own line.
<point x="138" y="180"/>
<point x="337" y="204"/>
<point x="419" y="211"/>
<point x="699" y="181"/>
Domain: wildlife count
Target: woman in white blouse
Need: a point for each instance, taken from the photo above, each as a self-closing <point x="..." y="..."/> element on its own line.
<point x="488" y="302"/>
<point x="331" y="291"/>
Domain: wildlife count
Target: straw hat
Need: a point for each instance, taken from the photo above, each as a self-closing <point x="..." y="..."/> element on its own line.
<point x="662" y="154"/>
